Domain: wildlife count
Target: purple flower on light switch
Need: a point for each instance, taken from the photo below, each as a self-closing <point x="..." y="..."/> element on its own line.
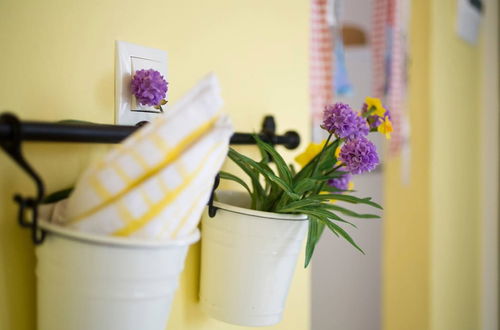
<point x="149" y="87"/>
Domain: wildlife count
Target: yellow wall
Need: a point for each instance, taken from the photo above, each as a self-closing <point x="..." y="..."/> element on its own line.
<point x="57" y="62"/>
<point x="455" y="175"/>
<point x="432" y="226"/>
<point x="407" y="210"/>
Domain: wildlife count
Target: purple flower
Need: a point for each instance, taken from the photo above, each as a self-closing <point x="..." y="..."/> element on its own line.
<point x="149" y="87"/>
<point x="341" y="183"/>
<point x="342" y="121"/>
<point x="359" y="156"/>
<point x="362" y="129"/>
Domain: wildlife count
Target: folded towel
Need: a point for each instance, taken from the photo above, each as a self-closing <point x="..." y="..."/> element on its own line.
<point x="156" y="183"/>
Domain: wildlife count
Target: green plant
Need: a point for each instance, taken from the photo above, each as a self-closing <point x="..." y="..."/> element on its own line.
<point x="324" y="176"/>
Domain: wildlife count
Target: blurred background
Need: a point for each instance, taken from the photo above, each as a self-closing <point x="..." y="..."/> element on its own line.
<point x="432" y="260"/>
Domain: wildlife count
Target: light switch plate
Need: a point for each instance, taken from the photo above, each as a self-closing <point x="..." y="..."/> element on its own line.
<point x="128" y="59"/>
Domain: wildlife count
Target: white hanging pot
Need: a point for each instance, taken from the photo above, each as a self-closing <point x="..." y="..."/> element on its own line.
<point x="248" y="260"/>
<point x="91" y="282"/>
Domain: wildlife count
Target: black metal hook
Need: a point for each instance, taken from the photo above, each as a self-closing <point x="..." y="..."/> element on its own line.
<point x="212" y="210"/>
<point x="12" y="146"/>
<point x="269" y="127"/>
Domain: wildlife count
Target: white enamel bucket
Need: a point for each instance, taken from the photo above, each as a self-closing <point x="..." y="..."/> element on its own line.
<point x="248" y="260"/>
<point x="90" y="282"/>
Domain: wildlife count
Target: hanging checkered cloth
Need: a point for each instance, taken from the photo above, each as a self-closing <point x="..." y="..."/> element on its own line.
<point x="396" y="93"/>
<point x="320" y="70"/>
<point x="379" y="41"/>
<point x="389" y="63"/>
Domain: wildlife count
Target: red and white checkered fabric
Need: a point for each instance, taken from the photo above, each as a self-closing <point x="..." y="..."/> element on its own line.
<point x="389" y="76"/>
<point x="378" y="43"/>
<point x="321" y="61"/>
<point x="397" y="83"/>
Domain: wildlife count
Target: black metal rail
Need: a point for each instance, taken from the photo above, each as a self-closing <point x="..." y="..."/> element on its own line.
<point x="101" y="133"/>
<point x="13" y="132"/>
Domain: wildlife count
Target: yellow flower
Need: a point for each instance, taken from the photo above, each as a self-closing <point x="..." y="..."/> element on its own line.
<point x="337" y="154"/>
<point x="385" y="128"/>
<point x="377" y="104"/>
<point x="350" y="186"/>
<point x="312" y="150"/>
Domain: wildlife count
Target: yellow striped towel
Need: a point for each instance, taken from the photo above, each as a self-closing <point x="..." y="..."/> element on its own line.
<point x="156" y="183"/>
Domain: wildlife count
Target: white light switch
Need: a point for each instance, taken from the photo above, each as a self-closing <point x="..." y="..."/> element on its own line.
<point x="129" y="59"/>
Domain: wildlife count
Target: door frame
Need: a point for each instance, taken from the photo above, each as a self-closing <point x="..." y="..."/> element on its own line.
<point x="490" y="150"/>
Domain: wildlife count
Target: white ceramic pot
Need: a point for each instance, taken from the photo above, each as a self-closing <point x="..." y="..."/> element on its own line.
<point x="88" y="282"/>
<point x="248" y="260"/>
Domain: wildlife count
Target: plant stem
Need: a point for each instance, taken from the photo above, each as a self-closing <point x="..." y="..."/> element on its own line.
<point x="320" y="187"/>
<point x="318" y="160"/>
<point x="330" y="171"/>
<point x="334" y="169"/>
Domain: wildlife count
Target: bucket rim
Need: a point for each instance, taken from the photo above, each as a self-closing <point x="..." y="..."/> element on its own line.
<point x="125" y="242"/>
<point x="260" y="214"/>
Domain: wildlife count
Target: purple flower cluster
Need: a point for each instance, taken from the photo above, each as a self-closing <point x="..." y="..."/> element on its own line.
<point x="362" y="129"/>
<point x="359" y="156"/>
<point x="341" y="120"/>
<point x="341" y="183"/>
<point x="149" y="87"/>
<point x="374" y="120"/>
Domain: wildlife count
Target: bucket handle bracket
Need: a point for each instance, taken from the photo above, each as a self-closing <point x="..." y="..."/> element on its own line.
<point x="12" y="146"/>
<point x="212" y="210"/>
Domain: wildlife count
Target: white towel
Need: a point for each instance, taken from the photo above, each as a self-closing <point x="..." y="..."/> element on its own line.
<point x="156" y="183"/>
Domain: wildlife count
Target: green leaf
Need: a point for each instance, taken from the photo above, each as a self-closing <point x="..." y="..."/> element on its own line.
<point x="333" y="190"/>
<point x="338" y="230"/>
<point x="265" y="156"/>
<point x="349" y="199"/>
<point x="268" y="175"/>
<point x="281" y="165"/>
<point x="291" y="207"/>
<point x="269" y="185"/>
<point x="334" y="216"/>
<point x="329" y="162"/>
<point x="307" y="170"/>
<point x="232" y="177"/>
<point x="305" y="185"/>
<point x="351" y="213"/>
<point x="313" y="235"/>
<point x="329" y="176"/>
<point x="322" y="213"/>
<point x="258" y="193"/>
<point x="292" y="169"/>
